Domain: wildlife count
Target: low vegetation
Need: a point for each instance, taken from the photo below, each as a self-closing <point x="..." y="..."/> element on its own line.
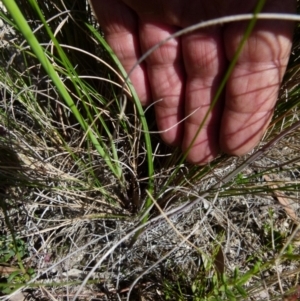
<point x="93" y="206"/>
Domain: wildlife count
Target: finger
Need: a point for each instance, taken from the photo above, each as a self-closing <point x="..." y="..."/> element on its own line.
<point x="253" y="87"/>
<point x="166" y="76"/>
<point x="204" y="65"/>
<point x="120" y="26"/>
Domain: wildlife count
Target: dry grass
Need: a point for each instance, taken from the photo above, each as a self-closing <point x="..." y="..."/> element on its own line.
<point x="75" y="221"/>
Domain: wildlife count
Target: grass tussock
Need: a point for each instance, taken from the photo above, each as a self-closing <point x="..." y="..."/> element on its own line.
<point x="95" y="207"/>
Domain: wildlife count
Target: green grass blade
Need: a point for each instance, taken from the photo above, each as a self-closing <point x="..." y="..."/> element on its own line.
<point x="232" y="64"/>
<point x="39" y="51"/>
<point x="141" y="116"/>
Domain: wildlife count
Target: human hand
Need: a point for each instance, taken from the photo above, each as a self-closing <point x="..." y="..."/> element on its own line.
<point x="185" y="73"/>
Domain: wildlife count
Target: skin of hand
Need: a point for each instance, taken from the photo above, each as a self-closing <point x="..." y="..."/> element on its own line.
<point x="184" y="73"/>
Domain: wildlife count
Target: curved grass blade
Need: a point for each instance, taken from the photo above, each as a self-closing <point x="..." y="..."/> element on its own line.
<point x="142" y="117"/>
<point x="232" y="64"/>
